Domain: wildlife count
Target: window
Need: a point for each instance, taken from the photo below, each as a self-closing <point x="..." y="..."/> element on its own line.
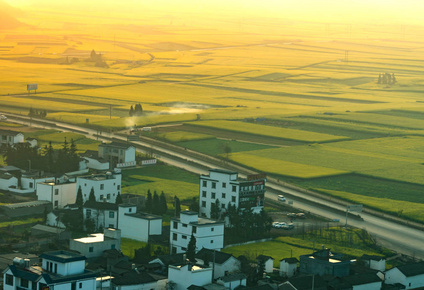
<point x="211" y="241"/>
<point x="118" y="187"/>
<point x="31" y="184"/>
<point x="108" y="196"/>
<point x="80" y="285"/>
<point x="203" y="193"/>
<point x="213" y="184"/>
<point x="56" y="191"/>
<point x="111" y="214"/>
<point x="223" y="195"/>
<point x="74" y="286"/>
<point x="212" y="229"/>
<point x="55" y="267"/>
<point x="183" y="248"/>
<point x="224" y="185"/>
<point x="9" y="279"/>
<point x="102" y="186"/>
<point x="203" y="203"/>
<point x="174" y="236"/>
<point x="85" y="184"/>
<point x="101" y="197"/>
<point x="34" y="285"/>
<point x="113" y="246"/>
<point x="234" y="188"/>
<point x="233" y="199"/>
<point x="184" y="225"/>
<point x="56" y="203"/>
<point x="175" y="225"/>
<point x="24" y="282"/>
<point x="194" y="229"/>
<point x="88" y="213"/>
<point x="130" y="210"/>
<point x="223" y="206"/>
<point x="205" y="183"/>
<point x="91" y="249"/>
<point x="213" y="195"/>
<point x="184" y="237"/>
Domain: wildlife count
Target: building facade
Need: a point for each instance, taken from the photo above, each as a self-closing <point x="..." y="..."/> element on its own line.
<point x="118" y="154"/>
<point x="226" y="187"/>
<point x="95" y="244"/>
<point x="209" y="234"/>
<point x="9" y="137"/>
<point x="59" y="194"/>
<point x="106" y="186"/>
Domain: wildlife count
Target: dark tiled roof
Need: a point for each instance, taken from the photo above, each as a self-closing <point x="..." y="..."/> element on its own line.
<point x="100" y="205"/>
<point x="361" y="279"/>
<point x="195" y="287"/>
<point x="305" y="282"/>
<point x="290" y="260"/>
<point x="233" y="277"/>
<point x="171" y="259"/>
<point x="23" y="273"/>
<point x="63" y="256"/>
<point x="133" y="278"/>
<point x="264" y="258"/>
<point x="220" y="257"/>
<point x="412" y="269"/>
<point x="50" y="279"/>
<point x="260" y="287"/>
<point x="372" y="257"/>
<point x="146" y="216"/>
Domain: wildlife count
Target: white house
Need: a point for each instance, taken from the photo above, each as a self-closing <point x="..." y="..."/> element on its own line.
<point x="59" y="194"/>
<point x="288" y="267"/>
<point x="223" y="263"/>
<point x="9" y="137"/>
<point x="61" y="270"/>
<point x="226" y="187"/>
<point x="137" y="225"/>
<point x="7" y="180"/>
<point x="95" y="244"/>
<point x="94" y="161"/>
<point x="32" y="142"/>
<point x="180" y="277"/>
<point x="410" y="275"/>
<point x="106" y="186"/>
<point x="233" y="281"/>
<point x="118" y="154"/>
<point x="209" y="234"/>
<point x="374" y="262"/>
<point x="267" y="261"/>
<point x="103" y="214"/>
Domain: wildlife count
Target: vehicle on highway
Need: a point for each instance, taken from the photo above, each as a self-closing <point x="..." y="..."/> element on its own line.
<point x="300" y="215"/>
<point x="292" y="215"/>
<point x="278" y="225"/>
<point x="281" y="198"/>
<point x="289" y="226"/>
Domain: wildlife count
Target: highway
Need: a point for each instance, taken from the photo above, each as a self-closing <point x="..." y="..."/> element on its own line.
<point x="390" y="233"/>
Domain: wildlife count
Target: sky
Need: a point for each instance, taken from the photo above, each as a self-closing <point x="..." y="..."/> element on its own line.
<point x="343" y="11"/>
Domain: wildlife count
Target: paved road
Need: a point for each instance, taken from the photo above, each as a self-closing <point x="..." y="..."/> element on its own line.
<point x="402" y="238"/>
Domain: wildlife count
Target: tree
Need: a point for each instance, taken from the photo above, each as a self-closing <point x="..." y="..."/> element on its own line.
<point x="177" y="206"/>
<point x="227" y="149"/>
<point x="92" y="196"/>
<point x="149" y="202"/>
<point x="191" y="249"/>
<point x="118" y="199"/>
<point x="131" y="113"/>
<point x="216" y="210"/>
<point x="156" y="203"/>
<point x="194" y="205"/>
<point x="163" y="204"/>
<point x="79" y="201"/>
<point x="90" y="226"/>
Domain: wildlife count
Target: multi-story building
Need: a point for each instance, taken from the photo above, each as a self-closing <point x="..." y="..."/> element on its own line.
<point x="226" y="187"/>
<point x="118" y="154"/>
<point x="9" y="137"/>
<point x="103" y="214"/>
<point x="58" y="270"/>
<point x="59" y="194"/>
<point x="106" y="186"/>
<point x="209" y="234"/>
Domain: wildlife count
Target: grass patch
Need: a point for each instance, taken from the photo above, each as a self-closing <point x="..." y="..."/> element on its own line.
<point x="160" y="171"/>
<point x="181" y="136"/>
<point x="21" y="222"/>
<point x="128" y="246"/>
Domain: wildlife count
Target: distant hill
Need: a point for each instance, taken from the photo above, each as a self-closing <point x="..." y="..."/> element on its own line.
<point x="8" y="16"/>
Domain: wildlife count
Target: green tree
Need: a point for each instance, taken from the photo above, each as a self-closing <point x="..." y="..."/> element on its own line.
<point x="149" y="202"/>
<point x="92" y="196"/>
<point x="131" y="113"/>
<point x="156" y="203"/>
<point x="216" y="210"/>
<point x="90" y="226"/>
<point x="79" y="201"/>
<point x="191" y="249"/>
<point x="163" y="204"/>
<point x="118" y="199"/>
<point x="177" y="206"/>
<point x="194" y="205"/>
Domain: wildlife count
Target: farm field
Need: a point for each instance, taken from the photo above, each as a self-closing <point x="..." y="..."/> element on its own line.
<point x="298" y="100"/>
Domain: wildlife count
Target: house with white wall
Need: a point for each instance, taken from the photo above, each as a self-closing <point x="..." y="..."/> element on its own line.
<point x="364" y="281"/>
<point x="95" y="244"/>
<point x="136" y="280"/>
<point x="209" y="234"/>
<point x="106" y="186"/>
<point x="410" y="275"/>
<point x="118" y="154"/>
<point x="61" y="270"/>
<point x="223" y="263"/>
<point x="137" y="225"/>
<point x="103" y="214"/>
<point x="374" y="262"/>
<point x="267" y="261"/>
<point x="9" y="137"/>
<point x="94" y="161"/>
<point x="288" y="267"/>
<point x="232" y="281"/>
<point x="226" y="187"/>
<point x="180" y="277"/>
<point x="7" y="180"/>
<point x="59" y="194"/>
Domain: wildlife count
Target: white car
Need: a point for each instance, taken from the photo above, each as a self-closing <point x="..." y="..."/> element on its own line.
<point x="281" y="198"/>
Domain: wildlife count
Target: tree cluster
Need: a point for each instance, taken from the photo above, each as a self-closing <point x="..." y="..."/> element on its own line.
<point x="156" y="204"/>
<point x="246" y="225"/>
<point x="37" y="113"/>
<point x="22" y="155"/>
<point x="137" y="110"/>
<point x="387" y="78"/>
<point x="98" y="59"/>
<point x="144" y="254"/>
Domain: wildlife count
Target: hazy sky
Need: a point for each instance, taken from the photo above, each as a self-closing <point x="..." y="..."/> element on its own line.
<point x="346" y="11"/>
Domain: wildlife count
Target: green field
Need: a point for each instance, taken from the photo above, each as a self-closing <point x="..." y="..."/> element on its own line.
<point x="184" y="136"/>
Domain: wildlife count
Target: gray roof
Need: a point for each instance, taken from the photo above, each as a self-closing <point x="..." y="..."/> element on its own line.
<point x="145" y="216"/>
<point x="234" y="277"/>
<point x="410" y="270"/>
<point x="133" y="278"/>
<point x="63" y="256"/>
<point x="220" y="257"/>
<point x="116" y="145"/>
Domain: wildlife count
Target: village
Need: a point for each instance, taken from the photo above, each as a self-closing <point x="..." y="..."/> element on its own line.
<point x="90" y="200"/>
